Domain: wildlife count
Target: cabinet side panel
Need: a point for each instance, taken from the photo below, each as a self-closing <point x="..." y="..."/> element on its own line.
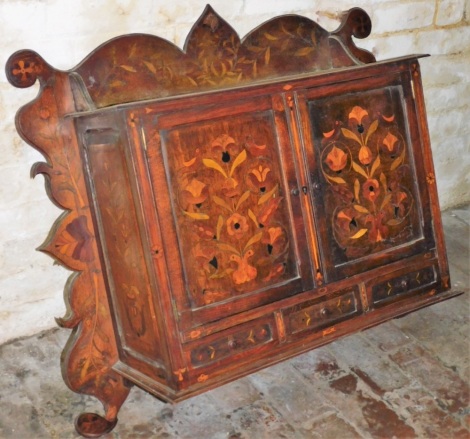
<point x="122" y="247"/>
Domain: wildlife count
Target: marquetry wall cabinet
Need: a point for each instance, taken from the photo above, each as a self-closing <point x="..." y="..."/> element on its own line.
<point x="230" y="205"/>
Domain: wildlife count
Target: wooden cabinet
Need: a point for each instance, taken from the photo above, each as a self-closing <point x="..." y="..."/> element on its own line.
<point x="233" y="204"/>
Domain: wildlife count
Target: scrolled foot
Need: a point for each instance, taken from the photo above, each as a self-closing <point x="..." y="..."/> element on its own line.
<point x="93" y="425"/>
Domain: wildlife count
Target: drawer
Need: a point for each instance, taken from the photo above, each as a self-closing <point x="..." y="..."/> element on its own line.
<point x="398" y="286"/>
<point x="313" y="315"/>
<point x="230" y="343"/>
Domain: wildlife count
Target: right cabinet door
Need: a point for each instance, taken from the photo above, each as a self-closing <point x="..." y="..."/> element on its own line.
<point x="368" y="189"/>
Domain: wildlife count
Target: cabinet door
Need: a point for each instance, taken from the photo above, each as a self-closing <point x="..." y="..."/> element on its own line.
<point x="236" y="235"/>
<point x="367" y="181"/>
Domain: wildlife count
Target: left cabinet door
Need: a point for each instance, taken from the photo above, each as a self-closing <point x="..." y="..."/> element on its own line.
<point x="122" y="240"/>
<point x="228" y="202"/>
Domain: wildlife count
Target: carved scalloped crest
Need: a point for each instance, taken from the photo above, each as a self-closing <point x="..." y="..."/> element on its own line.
<point x="137" y="67"/>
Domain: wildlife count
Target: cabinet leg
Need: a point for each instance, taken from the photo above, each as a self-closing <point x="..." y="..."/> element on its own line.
<point x="89" y="356"/>
<point x="93" y="425"/>
<point x="113" y="396"/>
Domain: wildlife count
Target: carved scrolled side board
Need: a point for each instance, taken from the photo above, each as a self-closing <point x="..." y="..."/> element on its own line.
<point x="231" y="204"/>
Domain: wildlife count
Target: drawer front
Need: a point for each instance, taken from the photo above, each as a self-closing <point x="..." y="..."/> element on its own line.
<point x="313" y="315"/>
<point x="400" y="286"/>
<point x="231" y="343"/>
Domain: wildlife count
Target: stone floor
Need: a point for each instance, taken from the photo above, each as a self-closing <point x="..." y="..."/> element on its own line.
<point x="408" y="378"/>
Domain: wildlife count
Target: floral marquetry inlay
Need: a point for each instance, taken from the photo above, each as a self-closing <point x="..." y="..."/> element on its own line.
<point x="231" y="213"/>
<point x="214" y="57"/>
<point x="365" y="163"/>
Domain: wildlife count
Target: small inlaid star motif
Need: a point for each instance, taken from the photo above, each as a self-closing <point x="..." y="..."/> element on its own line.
<point x="23" y="68"/>
<point x="430" y="178"/>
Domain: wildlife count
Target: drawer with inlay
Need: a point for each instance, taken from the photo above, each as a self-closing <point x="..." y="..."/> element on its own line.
<point x="313" y="315"/>
<point x="402" y="284"/>
<point x="234" y="342"/>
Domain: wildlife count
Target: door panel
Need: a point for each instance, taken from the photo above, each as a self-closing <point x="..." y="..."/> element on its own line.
<point x="237" y="224"/>
<point x="364" y="184"/>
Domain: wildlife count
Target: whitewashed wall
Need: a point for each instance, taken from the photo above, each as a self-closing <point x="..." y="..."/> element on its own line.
<point x="65" y="31"/>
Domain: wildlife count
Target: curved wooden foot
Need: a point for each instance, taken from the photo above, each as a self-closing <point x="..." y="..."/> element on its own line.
<point x="90" y="353"/>
<point x="93" y="425"/>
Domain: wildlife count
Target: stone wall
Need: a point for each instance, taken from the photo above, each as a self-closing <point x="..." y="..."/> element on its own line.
<point x="65" y="31"/>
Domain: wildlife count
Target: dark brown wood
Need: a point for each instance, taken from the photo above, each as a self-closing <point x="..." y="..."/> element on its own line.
<point x="232" y="204"/>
